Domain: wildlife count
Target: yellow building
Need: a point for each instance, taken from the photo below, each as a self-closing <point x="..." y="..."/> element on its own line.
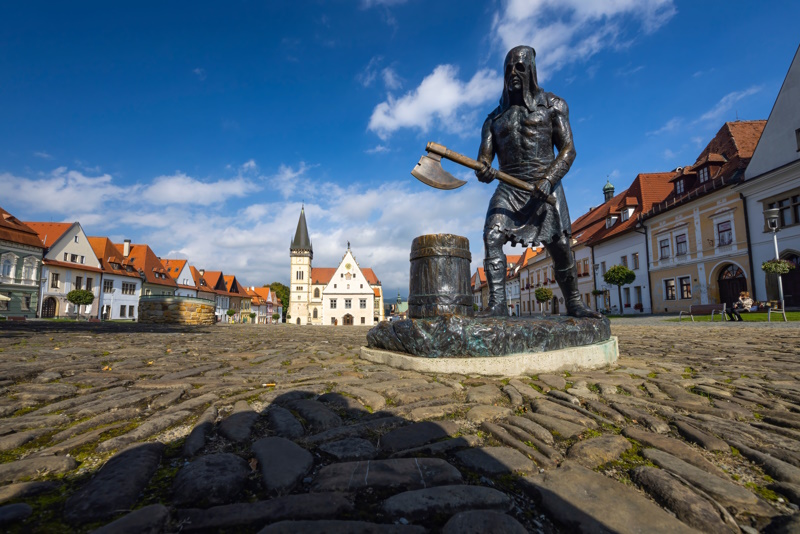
<point x="697" y="237"/>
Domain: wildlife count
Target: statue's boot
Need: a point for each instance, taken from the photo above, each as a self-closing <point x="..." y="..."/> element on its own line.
<point x="495" y="269"/>
<point x="568" y="282"/>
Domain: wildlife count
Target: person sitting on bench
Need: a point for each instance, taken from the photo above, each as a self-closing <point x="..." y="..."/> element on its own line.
<point x="743" y="304"/>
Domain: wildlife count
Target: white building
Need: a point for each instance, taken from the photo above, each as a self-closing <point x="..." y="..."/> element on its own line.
<point x="121" y="284"/>
<point x="181" y="272"/>
<point x="772" y="180"/>
<point x="344" y="295"/>
<point x="69" y="263"/>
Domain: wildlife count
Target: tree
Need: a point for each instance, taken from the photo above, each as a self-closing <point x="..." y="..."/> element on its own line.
<point x="231" y="313"/>
<point x="619" y="275"/>
<point x="276" y="316"/>
<point x="543" y="294"/>
<point x="283" y="293"/>
<point x="287" y="318"/>
<point x="252" y="316"/>
<point x="80" y="297"/>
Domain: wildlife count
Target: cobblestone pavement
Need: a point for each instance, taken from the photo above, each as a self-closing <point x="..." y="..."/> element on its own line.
<point x="129" y="428"/>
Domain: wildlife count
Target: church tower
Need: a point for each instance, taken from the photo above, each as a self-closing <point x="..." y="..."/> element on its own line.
<point x="300" y="253"/>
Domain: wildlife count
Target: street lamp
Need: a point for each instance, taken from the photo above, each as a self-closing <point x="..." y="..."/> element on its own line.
<point x="772" y="216"/>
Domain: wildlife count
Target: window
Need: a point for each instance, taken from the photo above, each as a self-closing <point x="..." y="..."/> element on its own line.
<point x="624" y="261"/>
<point x="637" y="290"/>
<point x="703" y="175"/>
<point x="89" y="284"/>
<point x="122" y="310"/>
<point x="797" y="138"/>
<point x="626" y="296"/>
<point x="686" y="287"/>
<point x="363" y="320"/>
<point x="83" y="259"/>
<point x="663" y="247"/>
<point x="128" y="289"/>
<point x="625" y="214"/>
<point x="348" y="303"/>
<point x="724" y="234"/>
<point x="7" y="268"/>
<point x="78" y="282"/>
<point x="680" y="245"/>
<point x="635" y="258"/>
<point x="362" y="303"/>
<point x="108" y="285"/>
<point x="298" y="275"/>
<point x="586" y="266"/>
<point x="314" y="313"/>
<point x="26" y="302"/>
<point x="789" y="213"/>
<point x="76" y="239"/>
<point x="66" y="256"/>
<point x="4" y="303"/>
<point x="333" y="304"/>
<point x="130" y="312"/>
<point x="316" y="293"/>
<point x="73" y="258"/>
<point x="333" y="320"/>
<point x="298" y="288"/>
<point x="669" y="289"/>
<point x="54" y="280"/>
<point x="602" y="267"/>
<point x="679" y="187"/>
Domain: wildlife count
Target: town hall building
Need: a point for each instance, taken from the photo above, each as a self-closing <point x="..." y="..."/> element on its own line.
<point x="343" y="295"/>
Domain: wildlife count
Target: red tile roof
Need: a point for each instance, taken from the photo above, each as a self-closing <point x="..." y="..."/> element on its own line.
<point x="215" y="283"/>
<point x="107" y="253"/>
<point x="173" y="267"/>
<point x="49" y="232"/>
<point x="323" y="275"/>
<point x="144" y="260"/>
<point x="16" y="231"/>
<point x="377" y="291"/>
<point x="234" y="287"/>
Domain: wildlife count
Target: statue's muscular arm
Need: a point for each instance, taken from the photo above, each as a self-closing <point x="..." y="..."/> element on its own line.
<point x="486" y="153"/>
<point x="562" y="139"/>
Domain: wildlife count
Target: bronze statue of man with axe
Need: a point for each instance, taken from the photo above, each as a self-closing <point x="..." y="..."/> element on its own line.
<point x="522" y="132"/>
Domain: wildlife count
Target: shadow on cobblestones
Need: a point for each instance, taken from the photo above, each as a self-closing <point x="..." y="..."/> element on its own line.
<point x="119" y="427"/>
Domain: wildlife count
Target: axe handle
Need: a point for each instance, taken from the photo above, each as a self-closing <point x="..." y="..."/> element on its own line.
<point x="461" y="159"/>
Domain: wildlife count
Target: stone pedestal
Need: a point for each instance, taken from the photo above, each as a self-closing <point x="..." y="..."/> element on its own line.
<point x="507" y="346"/>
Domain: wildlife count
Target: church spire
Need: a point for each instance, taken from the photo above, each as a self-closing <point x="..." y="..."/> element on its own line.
<point x="301" y="241"/>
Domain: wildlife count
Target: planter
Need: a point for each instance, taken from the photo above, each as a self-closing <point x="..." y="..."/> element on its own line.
<point x="777" y="266"/>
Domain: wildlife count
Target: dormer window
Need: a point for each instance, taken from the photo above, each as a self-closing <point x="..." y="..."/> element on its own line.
<point x="610" y="221"/>
<point x="626" y="213"/>
<point x="679" y="187"/>
<point x="703" y="175"/>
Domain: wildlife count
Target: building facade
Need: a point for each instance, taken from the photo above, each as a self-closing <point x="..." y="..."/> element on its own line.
<point x="345" y="295"/>
<point x="121" y="284"/>
<point x="21" y="254"/>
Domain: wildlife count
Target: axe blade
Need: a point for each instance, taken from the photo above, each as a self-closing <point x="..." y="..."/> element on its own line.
<point x="429" y="171"/>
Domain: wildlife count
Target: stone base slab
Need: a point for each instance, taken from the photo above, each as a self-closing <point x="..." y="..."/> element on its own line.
<point x="594" y="356"/>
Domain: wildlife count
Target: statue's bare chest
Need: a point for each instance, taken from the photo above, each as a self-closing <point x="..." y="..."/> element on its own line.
<point x="521" y="130"/>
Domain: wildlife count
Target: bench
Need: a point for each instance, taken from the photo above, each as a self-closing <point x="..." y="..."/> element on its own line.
<point x="705" y="309"/>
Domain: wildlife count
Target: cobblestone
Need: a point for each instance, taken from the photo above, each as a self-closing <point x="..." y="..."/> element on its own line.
<point x="705" y="427"/>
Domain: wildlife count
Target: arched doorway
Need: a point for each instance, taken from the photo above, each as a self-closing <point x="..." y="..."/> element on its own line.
<point x="731" y="282"/>
<point x="347" y="320"/>
<point x="791" y="281"/>
<point x="49" y="307"/>
<point x="298" y="320"/>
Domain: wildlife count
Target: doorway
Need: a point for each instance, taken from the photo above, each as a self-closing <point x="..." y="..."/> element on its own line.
<point x="791" y="282"/>
<point x="49" y="308"/>
<point x="731" y="283"/>
<point x="347" y="320"/>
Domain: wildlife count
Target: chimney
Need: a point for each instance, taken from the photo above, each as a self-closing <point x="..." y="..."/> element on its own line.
<point x="126" y="248"/>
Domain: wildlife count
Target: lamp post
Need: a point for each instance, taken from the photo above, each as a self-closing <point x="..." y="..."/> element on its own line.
<point x="772" y="216"/>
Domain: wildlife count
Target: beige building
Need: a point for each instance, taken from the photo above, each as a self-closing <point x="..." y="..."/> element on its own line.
<point x="345" y="295"/>
<point x="697" y="237"/>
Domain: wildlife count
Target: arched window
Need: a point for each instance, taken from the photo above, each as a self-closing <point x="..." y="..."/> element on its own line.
<point x="316" y="293"/>
<point x="6" y="267"/>
<point x="314" y="313"/>
<point x="731" y="271"/>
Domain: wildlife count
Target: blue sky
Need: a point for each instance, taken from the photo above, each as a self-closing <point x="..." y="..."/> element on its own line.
<point x="200" y="128"/>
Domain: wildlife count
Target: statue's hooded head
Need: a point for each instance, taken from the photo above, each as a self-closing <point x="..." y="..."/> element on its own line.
<point x="519" y="74"/>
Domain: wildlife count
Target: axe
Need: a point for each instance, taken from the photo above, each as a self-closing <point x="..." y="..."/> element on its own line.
<point x="429" y="171"/>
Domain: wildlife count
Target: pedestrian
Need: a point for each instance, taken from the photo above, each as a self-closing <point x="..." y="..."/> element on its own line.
<point x="743" y="304"/>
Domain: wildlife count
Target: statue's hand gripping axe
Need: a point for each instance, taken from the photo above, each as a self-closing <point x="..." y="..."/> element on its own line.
<point x="429" y="171"/>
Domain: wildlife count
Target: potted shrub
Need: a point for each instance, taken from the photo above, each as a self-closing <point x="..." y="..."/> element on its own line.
<point x="80" y="297"/>
<point x="619" y="276"/>
<point x="543" y="295"/>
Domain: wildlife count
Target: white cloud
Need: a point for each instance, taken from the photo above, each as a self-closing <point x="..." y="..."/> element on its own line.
<point x="441" y="97"/>
<point x="200" y="73"/>
<point x="42" y="155"/>
<point x="366" y="4"/>
<point x="669" y="154"/>
<point x="367" y="76"/>
<point x="287" y="180"/>
<point x="671" y="125"/>
<point x="182" y="189"/>
<point x="378" y="149"/>
<point x="569" y="31"/>
<point x="715" y="114"/>
<point x="391" y="80"/>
